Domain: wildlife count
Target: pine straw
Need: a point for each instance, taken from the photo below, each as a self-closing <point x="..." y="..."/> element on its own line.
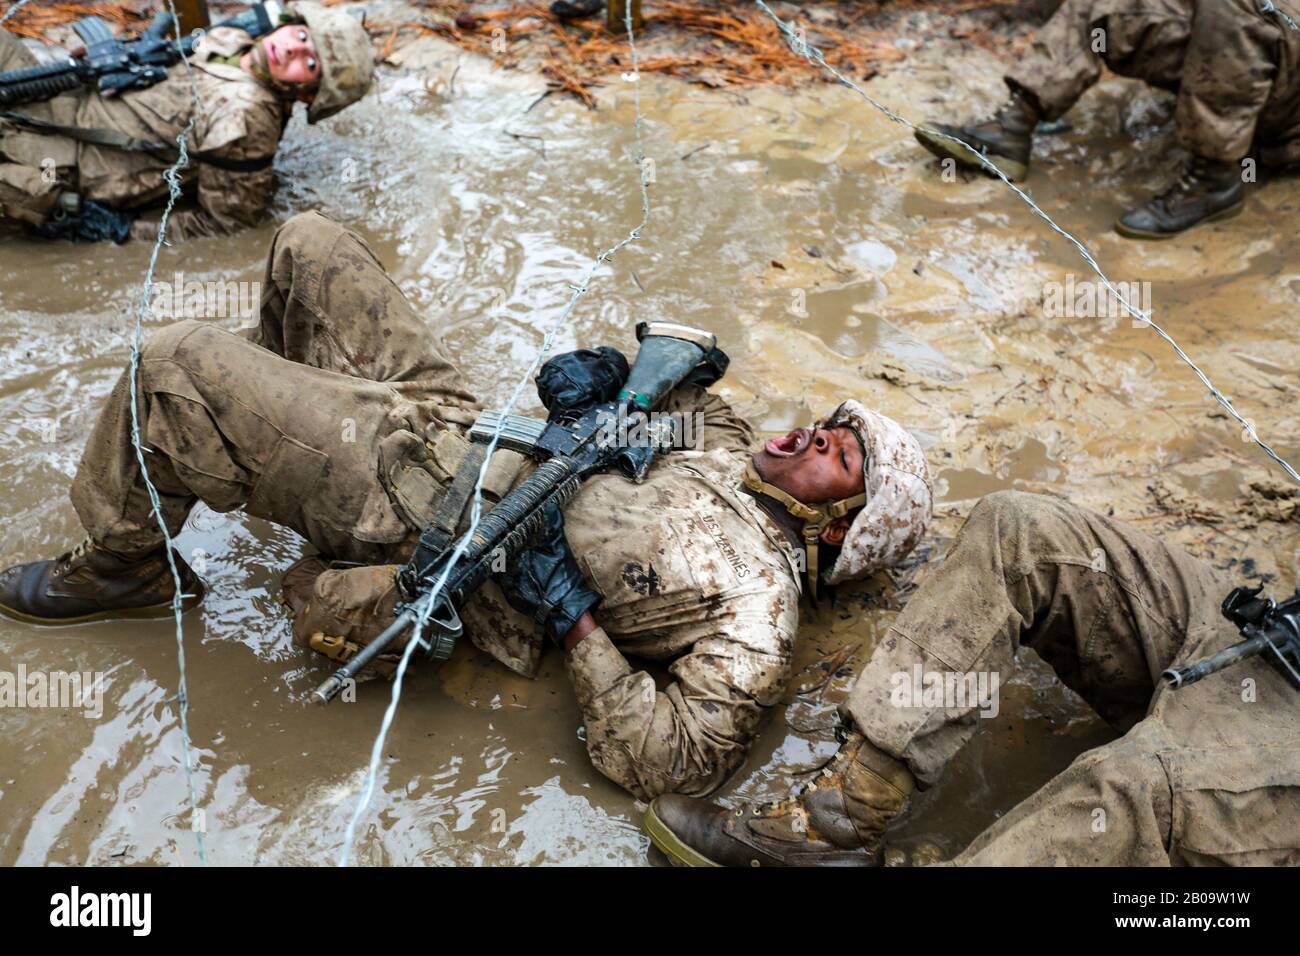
<point x="706" y="41"/>
<point x="37" y="19"/>
<point x="715" y="43"/>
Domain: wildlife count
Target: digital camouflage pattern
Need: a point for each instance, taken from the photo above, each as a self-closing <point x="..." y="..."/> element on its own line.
<point x="900" y="494"/>
<point x="341" y="416"/>
<point x="1206" y="774"/>
<point x="240" y="119"/>
<point x="1235" y="68"/>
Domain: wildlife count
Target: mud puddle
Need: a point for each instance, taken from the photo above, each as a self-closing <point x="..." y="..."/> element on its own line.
<point x="830" y="258"/>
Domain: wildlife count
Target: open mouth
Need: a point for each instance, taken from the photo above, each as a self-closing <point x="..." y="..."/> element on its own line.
<point x="790" y="445"/>
<point x="272" y="54"/>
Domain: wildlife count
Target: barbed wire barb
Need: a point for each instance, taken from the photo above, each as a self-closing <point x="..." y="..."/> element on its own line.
<point x="172" y="177"/>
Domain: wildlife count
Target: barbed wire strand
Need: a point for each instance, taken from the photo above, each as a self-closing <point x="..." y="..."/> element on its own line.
<point x="476" y="512"/>
<point x="1268" y="7"/>
<point x="814" y="56"/>
<point x="172" y="178"/>
<point x="12" y="10"/>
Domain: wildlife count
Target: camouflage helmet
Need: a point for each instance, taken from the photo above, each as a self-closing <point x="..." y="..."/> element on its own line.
<point x="900" y="493"/>
<point x="346" y="58"/>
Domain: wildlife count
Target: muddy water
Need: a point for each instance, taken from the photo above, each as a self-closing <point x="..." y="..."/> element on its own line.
<point x="830" y="258"/>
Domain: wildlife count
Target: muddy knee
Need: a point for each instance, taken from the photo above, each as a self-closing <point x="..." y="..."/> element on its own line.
<point x="1005" y="515"/>
<point x="308" y="239"/>
<point x="1024" y="529"/>
<point x="307" y="231"/>
<point x="165" y="344"/>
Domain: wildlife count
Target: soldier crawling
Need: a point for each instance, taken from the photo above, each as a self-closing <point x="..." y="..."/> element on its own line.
<point x="341" y="417"/>
<point x="87" y="166"/>
<point x="1234" y="65"/>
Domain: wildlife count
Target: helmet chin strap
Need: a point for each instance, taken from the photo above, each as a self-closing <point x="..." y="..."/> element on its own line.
<point x="815" y="518"/>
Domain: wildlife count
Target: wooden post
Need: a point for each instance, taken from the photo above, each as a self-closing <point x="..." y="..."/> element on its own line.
<point x="193" y="15"/>
<point x="616" y="13"/>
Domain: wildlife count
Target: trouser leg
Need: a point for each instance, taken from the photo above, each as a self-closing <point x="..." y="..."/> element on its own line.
<point x="1140" y="38"/>
<point x="286" y="419"/>
<point x="1211" y="776"/>
<point x="232" y="424"/>
<point x="1111" y="807"/>
<point x="27" y="194"/>
<point x="1227" y="78"/>
<point x="1107" y="606"/>
<point x="328" y="303"/>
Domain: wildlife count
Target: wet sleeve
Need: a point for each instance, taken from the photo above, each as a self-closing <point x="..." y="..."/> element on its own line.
<point x="685" y="739"/>
<point x="226" y="201"/>
<point x="718" y="424"/>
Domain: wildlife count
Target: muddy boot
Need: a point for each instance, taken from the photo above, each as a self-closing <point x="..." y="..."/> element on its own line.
<point x="836" y="820"/>
<point x="1005" y="140"/>
<point x="1205" y="191"/>
<point x="92" y="584"/>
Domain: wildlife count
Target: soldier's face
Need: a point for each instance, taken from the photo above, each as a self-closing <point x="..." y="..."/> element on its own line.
<point x="813" y="465"/>
<point x="290" y="56"/>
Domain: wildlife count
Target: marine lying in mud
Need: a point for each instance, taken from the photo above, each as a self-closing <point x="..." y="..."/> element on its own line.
<point x="86" y="166"/>
<point x="1235" y="68"/>
<point x="341" y="417"/>
<point x="1205" y="774"/>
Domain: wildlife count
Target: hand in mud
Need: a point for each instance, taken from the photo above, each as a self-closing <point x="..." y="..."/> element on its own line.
<point x="546" y="583"/>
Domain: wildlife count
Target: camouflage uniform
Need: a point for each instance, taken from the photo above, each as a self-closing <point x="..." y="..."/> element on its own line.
<point x="341" y="417"/>
<point x="240" y="119"/>
<point x="1209" y="773"/>
<point x="1236" y="69"/>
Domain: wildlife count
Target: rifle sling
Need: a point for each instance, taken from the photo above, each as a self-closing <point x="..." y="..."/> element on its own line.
<point x="113" y="139"/>
<point x="438" y="533"/>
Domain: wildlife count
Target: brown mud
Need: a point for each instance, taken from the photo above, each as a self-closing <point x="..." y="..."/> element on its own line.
<point x="831" y="257"/>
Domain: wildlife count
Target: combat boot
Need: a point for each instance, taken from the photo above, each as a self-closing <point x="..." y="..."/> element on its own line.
<point x="90" y="583"/>
<point x="837" y="820"/>
<point x="1205" y="191"/>
<point x="1004" y="140"/>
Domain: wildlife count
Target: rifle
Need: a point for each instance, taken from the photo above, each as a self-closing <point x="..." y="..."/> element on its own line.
<point x="111" y="65"/>
<point x="1267" y="626"/>
<point x="570" y="448"/>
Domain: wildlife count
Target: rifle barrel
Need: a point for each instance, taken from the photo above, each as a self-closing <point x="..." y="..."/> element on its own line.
<point x="1191" y="673"/>
<point x="335" y="682"/>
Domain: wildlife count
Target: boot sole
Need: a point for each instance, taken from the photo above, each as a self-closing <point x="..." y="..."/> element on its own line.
<point x="1128" y="232"/>
<point x="678" y="853"/>
<point x="1013" y="169"/>
<point x="149" y="612"/>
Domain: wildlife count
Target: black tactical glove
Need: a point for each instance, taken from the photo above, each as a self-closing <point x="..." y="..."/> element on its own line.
<point x="91" y="223"/>
<point x="573" y="381"/>
<point x="545" y="582"/>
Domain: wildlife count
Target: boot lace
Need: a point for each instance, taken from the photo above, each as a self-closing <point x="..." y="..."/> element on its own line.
<point x="1189" y="177"/>
<point x="82" y="549"/>
<point x="63" y="561"/>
